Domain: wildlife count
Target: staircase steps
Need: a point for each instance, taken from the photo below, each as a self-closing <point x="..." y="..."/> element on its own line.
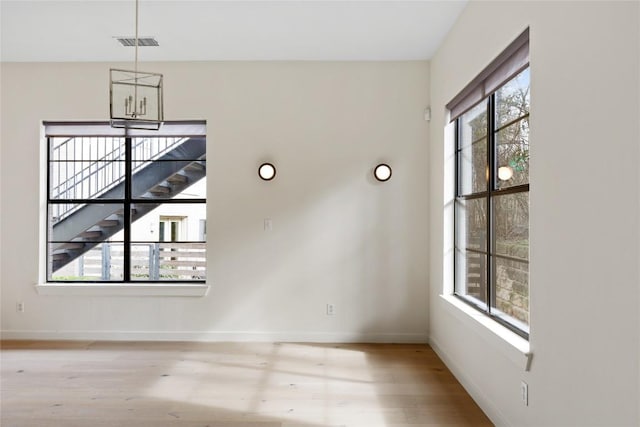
<point x="91" y="234"/>
<point x="120" y="212"/>
<point x="160" y="190"/>
<point x="60" y="256"/>
<point x="72" y="245"/>
<point x="197" y="166"/>
<point x="106" y="223"/>
<point x="178" y="179"/>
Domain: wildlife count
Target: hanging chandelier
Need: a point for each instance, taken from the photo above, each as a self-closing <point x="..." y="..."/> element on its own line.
<point x="135" y="97"/>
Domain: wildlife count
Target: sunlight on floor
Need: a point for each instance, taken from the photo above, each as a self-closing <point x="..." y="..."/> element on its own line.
<point x="317" y="385"/>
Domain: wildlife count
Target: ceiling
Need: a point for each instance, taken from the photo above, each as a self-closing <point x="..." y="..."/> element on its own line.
<point x="203" y="30"/>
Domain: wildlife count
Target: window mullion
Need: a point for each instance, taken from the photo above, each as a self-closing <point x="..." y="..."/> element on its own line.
<point x="458" y="136"/>
<point x="491" y="185"/>
<point x="49" y="230"/>
<point x="456" y="190"/>
<point x="127" y="210"/>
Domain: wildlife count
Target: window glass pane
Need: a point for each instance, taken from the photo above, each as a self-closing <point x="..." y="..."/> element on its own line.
<point x="512" y="292"/>
<point x="86" y="168"/>
<point x="512" y="225"/>
<point x="472" y="164"/>
<point x="471" y="224"/>
<point x="85" y="241"/>
<point x="87" y="180"/>
<point x="180" y="222"/>
<point x="167" y="243"/>
<point x="102" y="262"/>
<point x="513" y="99"/>
<point x="93" y="222"/>
<point x="473" y="124"/>
<point x="86" y="148"/>
<point x="166" y="148"/>
<point x="471" y="276"/>
<point x="170" y="180"/>
<point x="513" y="154"/>
<point x="167" y="168"/>
<point x="168" y="261"/>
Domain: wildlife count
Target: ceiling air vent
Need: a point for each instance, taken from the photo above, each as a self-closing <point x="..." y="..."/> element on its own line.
<point x="142" y="41"/>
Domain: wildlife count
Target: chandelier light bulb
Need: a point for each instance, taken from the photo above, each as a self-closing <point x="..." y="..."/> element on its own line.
<point x="505" y="173"/>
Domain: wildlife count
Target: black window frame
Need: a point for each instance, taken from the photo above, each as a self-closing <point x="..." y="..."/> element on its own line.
<point x="491" y="191"/>
<point x="128" y="201"/>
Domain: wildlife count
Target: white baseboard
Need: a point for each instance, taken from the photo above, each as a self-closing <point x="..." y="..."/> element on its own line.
<point x="487" y="406"/>
<point x="217" y="336"/>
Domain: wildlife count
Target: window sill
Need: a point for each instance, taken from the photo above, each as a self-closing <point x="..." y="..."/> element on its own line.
<point x="512" y="345"/>
<point x="124" y="289"/>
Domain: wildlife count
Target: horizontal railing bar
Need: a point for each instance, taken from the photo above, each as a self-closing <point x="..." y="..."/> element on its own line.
<point x="184" y="263"/>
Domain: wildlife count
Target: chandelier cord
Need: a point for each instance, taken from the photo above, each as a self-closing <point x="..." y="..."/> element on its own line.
<point x="137" y="41"/>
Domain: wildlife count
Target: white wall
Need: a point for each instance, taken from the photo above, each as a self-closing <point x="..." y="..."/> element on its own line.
<point x="338" y="236"/>
<point x="584" y="214"/>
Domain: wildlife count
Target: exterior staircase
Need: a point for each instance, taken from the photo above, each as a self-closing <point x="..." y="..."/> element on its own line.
<point x="476" y="269"/>
<point x="476" y="275"/>
<point x="80" y="229"/>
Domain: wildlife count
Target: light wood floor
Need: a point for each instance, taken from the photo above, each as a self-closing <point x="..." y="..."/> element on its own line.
<point x="142" y="384"/>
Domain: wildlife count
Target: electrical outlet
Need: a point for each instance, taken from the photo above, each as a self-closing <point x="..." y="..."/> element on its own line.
<point x="20" y="307"/>
<point x="268" y="224"/>
<point x="524" y="393"/>
<point x="331" y="309"/>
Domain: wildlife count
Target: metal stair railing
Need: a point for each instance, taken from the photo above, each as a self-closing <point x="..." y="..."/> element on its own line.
<point x="96" y="177"/>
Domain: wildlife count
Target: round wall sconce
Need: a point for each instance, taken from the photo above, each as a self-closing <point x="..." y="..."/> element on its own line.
<point x="267" y="171"/>
<point x="382" y="172"/>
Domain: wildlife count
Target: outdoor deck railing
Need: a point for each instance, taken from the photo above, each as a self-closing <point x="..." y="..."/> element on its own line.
<point x="153" y="261"/>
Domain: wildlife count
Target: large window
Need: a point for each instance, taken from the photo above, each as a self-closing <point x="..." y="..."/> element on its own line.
<point x="126" y="207"/>
<point x="491" y="227"/>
